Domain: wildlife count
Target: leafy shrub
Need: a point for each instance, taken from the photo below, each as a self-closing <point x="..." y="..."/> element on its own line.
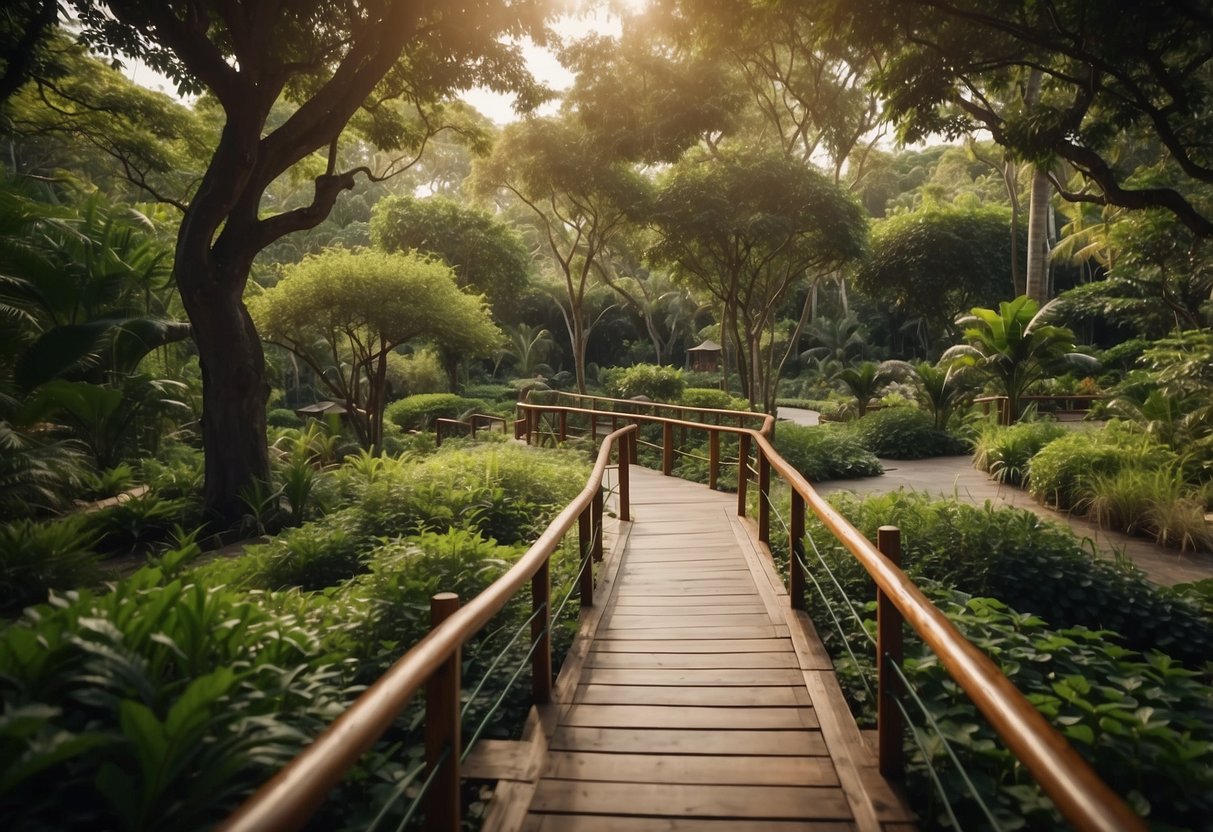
<point x="417" y="412"/>
<point x="1032" y="565"/>
<point x="36" y="557"/>
<point x="281" y="417"/>
<point x="1005" y="453"/>
<point x="1143" y="722"/>
<point x="312" y="557"/>
<point x="491" y="392"/>
<point x="405" y="571"/>
<point x="110" y="482"/>
<point x="711" y="399"/>
<point x="661" y="384"/>
<point x="177" y="471"/>
<point x="155" y="705"/>
<point x="1062" y="472"/>
<point x="141" y="521"/>
<point x="905" y="433"/>
<point x="825" y="453"/>
<point x="507" y="492"/>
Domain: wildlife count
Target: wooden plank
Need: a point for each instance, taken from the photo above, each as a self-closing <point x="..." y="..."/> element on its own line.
<point x="872" y="799"/>
<point x="809" y="649"/>
<point x="690" y="610"/>
<point x="774" y="802"/>
<point x="658" y="716"/>
<point x="607" y="823"/>
<point x="716" y="568"/>
<point x="685" y="541"/>
<point x="649" y="622"/>
<point x="668" y="554"/>
<point x="508" y="810"/>
<point x="745" y="677"/>
<point x="667" y="741"/>
<point x="724" y="645"/>
<point x="678" y="768"/>
<point x="598" y="658"/>
<point x="708" y="588"/>
<point x="670" y="602"/>
<point x="770" y="697"/>
<point x="710" y="633"/>
<point x="499" y="760"/>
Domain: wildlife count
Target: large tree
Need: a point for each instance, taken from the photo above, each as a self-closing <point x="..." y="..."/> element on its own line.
<point x="383" y="65"/>
<point x="486" y="255"/>
<point x="1120" y="87"/>
<point x="343" y="313"/>
<point x="747" y="228"/>
<point x="580" y="196"/>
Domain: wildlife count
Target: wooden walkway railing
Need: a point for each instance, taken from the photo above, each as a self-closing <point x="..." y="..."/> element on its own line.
<point x="289" y="799"/>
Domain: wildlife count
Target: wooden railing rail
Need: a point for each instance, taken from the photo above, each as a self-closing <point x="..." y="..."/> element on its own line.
<point x="1080" y="795"/>
<point x="447" y="427"/>
<point x="292" y="796"/>
<point x="739" y="418"/>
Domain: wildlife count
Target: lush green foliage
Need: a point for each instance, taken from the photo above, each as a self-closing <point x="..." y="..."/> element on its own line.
<point x="660" y="384"/>
<point x="1061" y="473"/>
<point x="418" y="412"/>
<point x="37" y="557"/>
<point x="905" y="433"/>
<point x="712" y="399"/>
<point x="825" y="453"/>
<point x="1064" y="626"/>
<point x="1033" y="566"/>
<point x="933" y="264"/>
<point x="1015" y="347"/>
<point x="1005" y="453"/>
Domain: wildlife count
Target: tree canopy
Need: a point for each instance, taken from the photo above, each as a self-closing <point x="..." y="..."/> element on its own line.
<point x="486" y="255"/>
<point x="343" y="312"/>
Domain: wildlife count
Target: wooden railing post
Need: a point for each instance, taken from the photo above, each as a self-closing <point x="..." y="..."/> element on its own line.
<point x="596" y="521"/>
<point x="764" y="497"/>
<point x="667" y="449"/>
<point x="713" y="457"/>
<point x="743" y="471"/>
<point x="625" y="496"/>
<point x="889" y="722"/>
<point x="441" y="802"/>
<point x="585" y="534"/>
<point x="796" y="576"/>
<point x="541" y="634"/>
<point x="634" y="444"/>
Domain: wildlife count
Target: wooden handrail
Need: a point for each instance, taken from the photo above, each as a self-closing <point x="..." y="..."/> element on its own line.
<point x="1073" y="785"/>
<point x="765" y="420"/>
<point x="292" y="796"/>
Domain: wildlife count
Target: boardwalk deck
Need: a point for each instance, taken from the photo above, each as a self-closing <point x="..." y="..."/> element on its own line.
<point x="694" y="698"/>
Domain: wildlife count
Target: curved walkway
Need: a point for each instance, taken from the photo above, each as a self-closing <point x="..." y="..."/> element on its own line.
<point x="955" y="476"/>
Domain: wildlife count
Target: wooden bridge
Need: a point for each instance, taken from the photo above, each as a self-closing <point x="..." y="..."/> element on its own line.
<point x="694" y="697"/>
<point x="696" y="694"/>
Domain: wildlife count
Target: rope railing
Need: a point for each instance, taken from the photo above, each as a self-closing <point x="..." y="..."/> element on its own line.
<point x="1077" y="791"/>
<point x="293" y="795"/>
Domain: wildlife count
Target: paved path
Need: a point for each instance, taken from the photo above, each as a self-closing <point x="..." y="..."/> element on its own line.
<point x="956" y="477"/>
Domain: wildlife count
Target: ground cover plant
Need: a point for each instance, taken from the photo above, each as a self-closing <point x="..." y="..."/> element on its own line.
<point x="905" y="433"/>
<point x="168" y="697"/>
<point x="825" y="452"/>
<point x="1005" y="452"/>
<point x="1119" y="665"/>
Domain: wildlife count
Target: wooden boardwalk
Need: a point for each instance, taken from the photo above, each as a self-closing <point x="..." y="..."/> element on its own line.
<point x="694" y="697"/>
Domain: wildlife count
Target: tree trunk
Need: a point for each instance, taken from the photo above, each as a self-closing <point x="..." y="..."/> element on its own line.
<point x="234" y="388"/>
<point x="1037" y="272"/>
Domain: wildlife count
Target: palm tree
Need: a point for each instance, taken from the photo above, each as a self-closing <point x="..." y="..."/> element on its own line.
<point x="1016" y="348"/>
<point x="940" y="389"/>
<point x="865" y="380"/>
<point x="528" y="346"/>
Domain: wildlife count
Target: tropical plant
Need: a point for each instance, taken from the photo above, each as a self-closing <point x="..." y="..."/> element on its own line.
<point x="1005" y="452"/>
<point x="40" y="557"/>
<point x="38" y="474"/>
<point x="528" y="346"/>
<point x="865" y="380"/>
<point x="837" y="341"/>
<point x="660" y="384"/>
<point x="825" y="453"/>
<point x="941" y="389"/>
<point x="1015" y="347"/>
<point x="1063" y="470"/>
